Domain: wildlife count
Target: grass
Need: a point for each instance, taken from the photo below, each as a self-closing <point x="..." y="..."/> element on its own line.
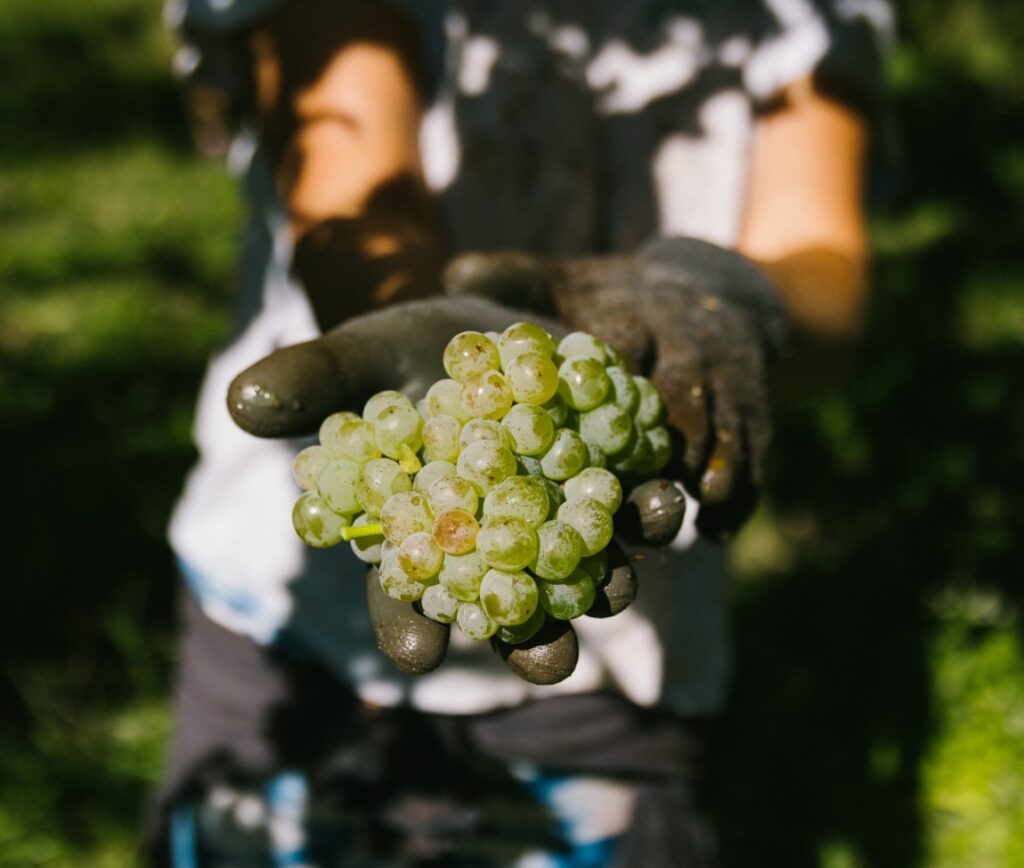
<point x="877" y="716"/>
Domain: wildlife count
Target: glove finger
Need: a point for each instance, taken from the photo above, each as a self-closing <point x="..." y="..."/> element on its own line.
<point x="293" y="389"/>
<point x="652" y="513"/>
<point x="679" y="375"/>
<point x="508" y="277"/>
<point x="724" y="463"/>
<point x="412" y="642"/>
<point x="547" y="658"/>
<point x="618" y="588"/>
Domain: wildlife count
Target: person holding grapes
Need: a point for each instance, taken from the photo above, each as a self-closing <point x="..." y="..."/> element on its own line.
<point x="548" y="144"/>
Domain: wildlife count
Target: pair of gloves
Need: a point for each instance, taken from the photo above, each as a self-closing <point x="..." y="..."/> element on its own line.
<point x="698" y="320"/>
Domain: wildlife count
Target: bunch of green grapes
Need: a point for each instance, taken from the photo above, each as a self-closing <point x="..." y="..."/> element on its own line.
<point x="489" y="502"/>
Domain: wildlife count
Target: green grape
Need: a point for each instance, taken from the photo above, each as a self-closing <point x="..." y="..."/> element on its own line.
<point x="419" y="556"/>
<point x="484" y="429"/>
<point x="592" y="521"/>
<point x="624" y="392"/>
<point x="559" y="549"/>
<point x="569" y="599"/>
<point x="315" y="523"/>
<point x="526" y="465"/>
<point x="421" y="408"/>
<point x="444" y="398"/>
<point x="506" y="543"/>
<point x="469" y="354"/>
<point x="595" y="457"/>
<point x="615" y="358"/>
<point x="661" y="447"/>
<point x="430" y="473"/>
<point x="521" y="497"/>
<point x="398" y="584"/>
<point x="596" y="566"/>
<point x="381" y="401"/>
<point x="337" y="486"/>
<point x="651" y="408"/>
<point x="369" y="549"/>
<point x="566" y="457"/>
<point x="356" y="441"/>
<point x="378" y="480"/>
<point x="486" y="464"/>
<point x="596" y="483"/>
<point x="330" y="427"/>
<point x="555" y="495"/>
<point x="461" y="575"/>
<point x="608" y="427"/>
<point x="636" y="457"/>
<point x="524" y="337"/>
<point x="530" y="429"/>
<point x="308" y="465"/>
<point x="582" y="382"/>
<point x="441" y="437"/>
<point x="486" y="395"/>
<point x="405" y="513"/>
<point x="508" y="598"/>
<point x="519" y="633"/>
<point x="398" y="429"/>
<point x="558" y="410"/>
<point x="582" y="344"/>
<point x="455" y="531"/>
<point x="437" y="603"/>
<point x="532" y="377"/>
<point x="452" y="492"/>
<point x="474" y="622"/>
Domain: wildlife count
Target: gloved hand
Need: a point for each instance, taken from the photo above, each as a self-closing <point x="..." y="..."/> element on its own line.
<point x="401" y="347"/>
<point x="699" y="320"/>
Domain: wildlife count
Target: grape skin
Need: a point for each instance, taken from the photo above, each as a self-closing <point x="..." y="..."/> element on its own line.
<point x="506" y="543"/>
<point x="308" y="465"/>
<point x="597" y="483"/>
<point x="559" y="549"/>
<point x="468" y="354"/>
<point x="378" y="480"/>
<point x="522" y="497"/>
<point x="455" y="531"/>
<point x="486" y="464"/>
<point x="508" y="598"/>
<point x="591" y="520"/>
<point x="419" y="556"/>
<point x="315" y="523"/>
<point x="474" y="621"/>
<point x="461" y="575"/>
<point x="569" y="599"/>
<point x="438" y="604"/>
<point x="403" y="514"/>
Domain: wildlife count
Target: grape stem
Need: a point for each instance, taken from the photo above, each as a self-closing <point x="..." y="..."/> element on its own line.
<point x="358" y="532"/>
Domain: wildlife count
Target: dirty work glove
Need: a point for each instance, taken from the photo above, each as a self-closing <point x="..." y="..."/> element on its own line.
<point x="400" y="347"/>
<point x="699" y="320"/>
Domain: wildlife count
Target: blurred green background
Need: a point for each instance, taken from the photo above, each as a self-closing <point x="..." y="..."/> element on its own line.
<point x="878" y="708"/>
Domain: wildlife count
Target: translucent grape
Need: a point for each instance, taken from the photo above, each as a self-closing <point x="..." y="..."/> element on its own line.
<point x="369" y="549"/>
<point x="330" y="427"/>
<point x="486" y="395"/>
<point x="430" y="473"/>
<point x="558" y="410"/>
<point x="469" y="354"/>
<point x="452" y="492"/>
<point x="378" y="480"/>
<point x="598" y="484"/>
<point x="421" y="408"/>
<point x="615" y="358"/>
<point x="582" y="344"/>
<point x="624" y="392"/>
<point x="315" y="523"/>
<point x="555" y="496"/>
<point x="383" y="400"/>
<point x="530" y="429"/>
<point x="506" y="543"/>
<point x="337" y="486"/>
<point x="651" y="408"/>
<point x="559" y="549"/>
<point x="486" y="464"/>
<point x="591" y="520"/>
<point x="566" y="457"/>
<point x="461" y="575"/>
<point x="526" y="465"/>
<point x="523" y="497"/>
<point x="356" y="441"/>
<point x="474" y="622"/>
<point x="532" y="377"/>
<point x="596" y="458"/>
<point x="635" y="458"/>
<point x="608" y="427"/>
<point x="441" y="437"/>
<point x="308" y="465"/>
<point x="569" y="599"/>
<point x="405" y="513"/>
<point x="419" y="556"/>
<point x="444" y="398"/>
<point x="455" y="531"/>
<point x="398" y="584"/>
<point x="519" y="633"/>
<point x="437" y="603"/>
<point x="484" y="429"/>
<point x="661" y="447"/>
<point x="524" y="337"/>
<point x="508" y="598"/>
<point x="398" y="430"/>
<point x="582" y="382"/>
<point x="596" y="566"/>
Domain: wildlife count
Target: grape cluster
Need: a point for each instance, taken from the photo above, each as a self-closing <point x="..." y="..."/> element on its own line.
<point x="491" y="500"/>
